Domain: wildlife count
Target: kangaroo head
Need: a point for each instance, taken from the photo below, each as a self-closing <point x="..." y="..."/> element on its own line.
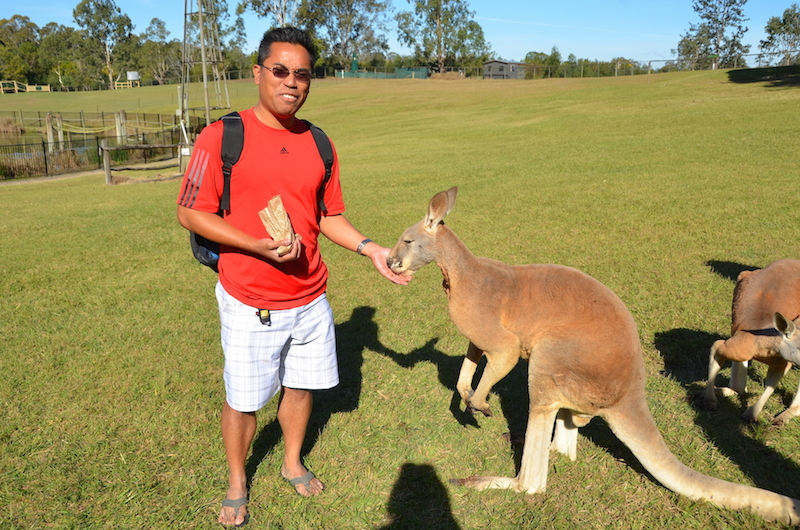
<point x="789" y="347"/>
<point x="417" y="246"/>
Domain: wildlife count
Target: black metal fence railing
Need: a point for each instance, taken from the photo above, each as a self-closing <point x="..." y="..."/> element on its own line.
<point x="52" y="158"/>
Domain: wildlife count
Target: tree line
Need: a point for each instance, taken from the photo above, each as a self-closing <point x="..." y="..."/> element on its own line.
<point x="441" y="34"/>
<point x="716" y="41"/>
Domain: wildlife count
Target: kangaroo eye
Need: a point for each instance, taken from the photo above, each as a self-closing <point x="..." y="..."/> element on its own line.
<point x="408" y="241"/>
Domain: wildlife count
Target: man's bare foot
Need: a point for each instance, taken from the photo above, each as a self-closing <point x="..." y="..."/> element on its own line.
<point x="303" y="480"/>
<point x="234" y="508"/>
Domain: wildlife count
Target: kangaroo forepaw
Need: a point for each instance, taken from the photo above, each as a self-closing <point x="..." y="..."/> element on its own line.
<point x="472" y="409"/>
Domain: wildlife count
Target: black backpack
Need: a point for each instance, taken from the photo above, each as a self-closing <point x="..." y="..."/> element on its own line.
<point x="207" y="251"/>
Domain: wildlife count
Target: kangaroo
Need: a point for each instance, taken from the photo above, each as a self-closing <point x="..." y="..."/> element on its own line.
<point x="584" y="360"/>
<point x="760" y="330"/>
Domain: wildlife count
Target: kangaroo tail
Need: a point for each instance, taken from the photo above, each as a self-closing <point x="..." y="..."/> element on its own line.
<point x="636" y="428"/>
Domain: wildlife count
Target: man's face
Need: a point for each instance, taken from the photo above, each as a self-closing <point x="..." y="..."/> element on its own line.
<point x="283" y="97"/>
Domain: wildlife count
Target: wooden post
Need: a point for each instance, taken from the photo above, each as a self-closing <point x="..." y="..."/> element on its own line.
<point x="60" y="129"/>
<point x="118" y="123"/>
<point x="48" y="120"/>
<point x="123" y="118"/>
<point x="106" y="160"/>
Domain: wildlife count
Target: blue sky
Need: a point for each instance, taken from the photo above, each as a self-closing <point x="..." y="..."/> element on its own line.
<point x="639" y="30"/>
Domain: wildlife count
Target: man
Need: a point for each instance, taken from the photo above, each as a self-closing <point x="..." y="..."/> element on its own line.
<point x="277" y="326"/>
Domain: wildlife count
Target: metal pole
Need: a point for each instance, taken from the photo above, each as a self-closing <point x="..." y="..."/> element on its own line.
<point x="44" y="152"/>
<point x="203" y="59"/>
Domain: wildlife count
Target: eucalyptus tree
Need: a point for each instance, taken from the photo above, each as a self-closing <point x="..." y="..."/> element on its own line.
<point x="783" y="35"/>
<point x="104" y="23"/>
<point x="347" y="28"/>
<point x="70" y="59"/>
<point x="19" y="43"/>
<point x="160" y="57"/>
<point x="719" y="36"/>
<point x="284" y="12"/>
<point x="443" y="32"/>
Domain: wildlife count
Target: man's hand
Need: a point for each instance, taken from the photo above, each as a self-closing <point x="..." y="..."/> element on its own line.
<point x="378" y="255"/>
<point x="268" y="248"/>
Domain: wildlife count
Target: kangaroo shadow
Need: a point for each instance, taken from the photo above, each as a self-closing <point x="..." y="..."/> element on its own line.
<point x="352" y="337"/>
<point x="729" y="269"/>
<point x="419" y="500"/>
<point x="685" y="353"/>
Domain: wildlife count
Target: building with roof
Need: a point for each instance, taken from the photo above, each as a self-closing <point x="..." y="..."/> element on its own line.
<point x="503" y="70"/>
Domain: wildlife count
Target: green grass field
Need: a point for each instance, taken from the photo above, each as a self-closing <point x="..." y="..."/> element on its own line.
<point x="662" y="187"/>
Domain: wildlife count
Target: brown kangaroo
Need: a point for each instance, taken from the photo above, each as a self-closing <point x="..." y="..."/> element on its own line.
<point x="584" y="360"/>
<point x="760" y="330"/>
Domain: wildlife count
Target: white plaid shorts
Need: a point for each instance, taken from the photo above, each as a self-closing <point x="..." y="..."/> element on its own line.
<point x="297" y="349"/>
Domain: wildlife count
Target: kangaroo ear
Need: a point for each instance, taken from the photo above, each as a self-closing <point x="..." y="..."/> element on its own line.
<point x="784" y="325"/>
<point x="441" y="205"/>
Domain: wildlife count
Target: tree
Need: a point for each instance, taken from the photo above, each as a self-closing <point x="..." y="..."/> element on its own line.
<point x="19" y="43"/>
<point x="719" y="36"/>
<point x="694" y="48"/>
<point x="442" y="32"/>
<point x="347" y="27"/>
<point x="283" y="11"/>
<point x="69" y="58"/>
<point x="160" y="57"/>
<point x="104" y="23"/>
<point x="553" y="62"/>
<point x="783" y="35"/>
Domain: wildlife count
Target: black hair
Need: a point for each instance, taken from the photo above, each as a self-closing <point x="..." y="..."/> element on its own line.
<point x="289" y="35"/>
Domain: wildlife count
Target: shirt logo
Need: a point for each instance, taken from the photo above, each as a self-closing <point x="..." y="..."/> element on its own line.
<point x="284" y="151"/>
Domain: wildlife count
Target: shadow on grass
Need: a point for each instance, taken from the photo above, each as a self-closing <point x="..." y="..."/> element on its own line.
<point x="512" y="390"/>
<point x="685" y="354"/>
<point x="729" y="269"/>
<point x="352" y="337"/>
<point x="361" y="332"/>
<point x="776" y="76"/>
<point x="419" y="500"/>
<point x="447" y="367"/>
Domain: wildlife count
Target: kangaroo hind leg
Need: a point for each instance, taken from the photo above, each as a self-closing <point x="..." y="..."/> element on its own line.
<point x="532" y="477"/>
<point x="791" y="412"/>
<point x="774" y="375"/>
<point x="565" y="438"/>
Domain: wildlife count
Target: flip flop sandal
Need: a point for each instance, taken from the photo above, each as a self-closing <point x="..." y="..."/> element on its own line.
<point x="305" y="480"/>
<point x="236" y="504"/>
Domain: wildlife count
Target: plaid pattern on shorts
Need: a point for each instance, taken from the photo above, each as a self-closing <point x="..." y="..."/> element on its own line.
<point x="296" y="350"/>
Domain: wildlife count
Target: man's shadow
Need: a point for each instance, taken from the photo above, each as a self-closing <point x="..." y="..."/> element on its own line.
<point x="509" y="390"/>
<point x="419" y="501"/>
<point x="352" y="337"/>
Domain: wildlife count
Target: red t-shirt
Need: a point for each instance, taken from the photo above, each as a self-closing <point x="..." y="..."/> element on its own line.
<point x="272" y="162"/>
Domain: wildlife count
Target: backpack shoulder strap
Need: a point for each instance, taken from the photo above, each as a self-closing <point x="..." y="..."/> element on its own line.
<point x="232" y="142"/>
<point x="326" y="153"/>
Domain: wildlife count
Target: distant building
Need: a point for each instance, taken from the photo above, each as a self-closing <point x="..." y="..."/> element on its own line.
<point x="503" y="70"/>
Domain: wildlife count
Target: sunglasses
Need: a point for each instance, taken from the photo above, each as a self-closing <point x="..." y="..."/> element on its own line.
<point x="303" y="76"/>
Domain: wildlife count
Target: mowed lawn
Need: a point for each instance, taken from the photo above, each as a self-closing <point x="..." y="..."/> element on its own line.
<point x="663" y="187"/>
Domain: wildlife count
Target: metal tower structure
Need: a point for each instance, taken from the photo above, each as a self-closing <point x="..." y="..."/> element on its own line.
<point x="202" y="59"/>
